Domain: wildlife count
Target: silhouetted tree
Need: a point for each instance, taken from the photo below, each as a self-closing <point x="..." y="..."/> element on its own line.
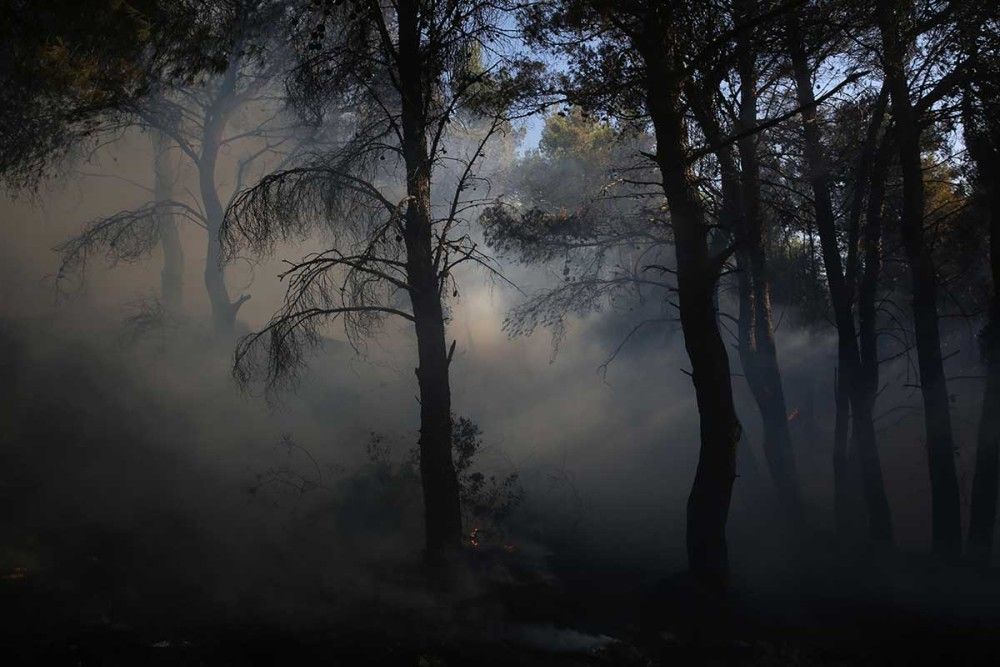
<point x="898" y="39"/>
<point x="851" y="383"/>
<point x="741" y="214"/>
<point x="402" y="73"/>
<point x="981" y="127"/>
<point x="237" y="111"/>
<point x="632" y="58"/>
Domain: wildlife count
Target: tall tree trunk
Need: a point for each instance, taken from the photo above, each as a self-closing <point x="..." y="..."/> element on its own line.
<point x="697" y="274"/>
<point x="872" y="266"/>
<point x="983" y="512"/>
<point x="758" y="355"/>
<point x="946" y="512"/>
<point x="172" y="275"/>
<point x="842" y="489"/>
<point x="223" y="309"/>
<point x="758" y="352"/>
<point x="442" y="510"/>
<point x="851" y="508"/>
<point x="862" y="426"/>
<point x="982" y="519"/>
<point x="864" y="257"/>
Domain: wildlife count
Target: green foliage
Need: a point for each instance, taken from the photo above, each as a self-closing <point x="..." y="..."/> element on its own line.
<point x="72" y="70"/>
<point x="576" y="134"/>
<point x="572" y="165"/>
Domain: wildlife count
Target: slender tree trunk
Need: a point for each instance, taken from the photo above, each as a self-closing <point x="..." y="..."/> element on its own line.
<point x="848" y="472"/>
<point x="172" y="275"/>
<point x="758" y="355"/>
<point x="983" y="512"/>
<point x="223" y="308"/>
<point x="442" y="510"/>
<point x="862" y="426"/>
<point x="697" y="274"/>
<point x="982" y="520"/>
<point x="841" y="461"/>
<point x="946" y="510"/>
<point x="758" y="352"/>
<point x="868" y="286"/>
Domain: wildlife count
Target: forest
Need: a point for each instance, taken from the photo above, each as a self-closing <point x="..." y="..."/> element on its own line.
<point x="499" y="332"/>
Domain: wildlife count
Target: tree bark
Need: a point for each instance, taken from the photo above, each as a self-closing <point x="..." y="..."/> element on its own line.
<point x="758" y="355"/>
<point x="223" y="308"/>
<point x="172" y="275"/>
<point x="862" y="426"/>
<point x="983" y="512"/>
<point x="946" y="511"/>
<point x="442" y="509"/>
<point x="697" y="274"/>
<point x="871" y="238"/>
<point x="758" y="352"/>
<point x="842" y="505"/>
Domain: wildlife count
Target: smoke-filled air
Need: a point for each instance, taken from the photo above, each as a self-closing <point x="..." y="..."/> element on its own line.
<point x="499" y="332"/>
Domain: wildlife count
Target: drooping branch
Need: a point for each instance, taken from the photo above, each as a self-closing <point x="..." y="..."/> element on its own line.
<point x="126" y="236"/>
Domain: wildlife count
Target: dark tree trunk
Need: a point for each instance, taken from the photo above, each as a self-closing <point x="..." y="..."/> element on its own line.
<point x="697" y="274"/>
<point x="946" y="512"/>
<point x="223" y="309"/>
<point x="982" y="519"/>
<point x="847" y="470"/>
<point x="758" y="355"/>
<point x="217" y="115"/>
<point x="172" y="275"/>
<point x="864" y="257"/>
<point x="871" y="239"/>
<point x="862" y="426"/>
<point x="841" y="469"/>
<point x="983" y="512"/>
<point x="758" y="352"/>
<point x="442" y="510"/>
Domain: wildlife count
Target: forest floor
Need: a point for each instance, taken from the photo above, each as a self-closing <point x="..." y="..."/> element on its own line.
<point x="904" y="610"/>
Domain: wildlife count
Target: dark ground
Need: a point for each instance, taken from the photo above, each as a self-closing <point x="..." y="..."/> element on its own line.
<point x="904" y="611"/>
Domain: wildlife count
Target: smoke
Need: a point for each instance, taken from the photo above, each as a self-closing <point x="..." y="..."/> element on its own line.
<point x="142" y="453"/>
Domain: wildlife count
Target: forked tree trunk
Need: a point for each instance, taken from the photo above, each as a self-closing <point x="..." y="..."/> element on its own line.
<point x="864" y="258"/>
<point x="758" y="352"/>
<point x="442" y="510"/>
<point x="850" y="507"/>
<point x="946" y="511"/>
<point x="758" y="355"/>
<point x="697" y="273"/>
<point x="223" y="309"/>
<point x="172" y="275"/>
<point x="862" y="426"/>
